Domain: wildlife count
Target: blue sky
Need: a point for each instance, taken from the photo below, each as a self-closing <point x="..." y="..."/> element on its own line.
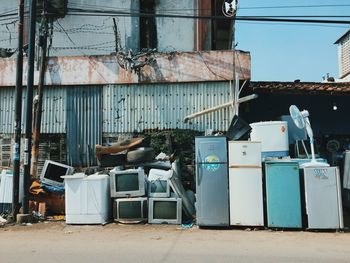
<point x="281" y="52"/>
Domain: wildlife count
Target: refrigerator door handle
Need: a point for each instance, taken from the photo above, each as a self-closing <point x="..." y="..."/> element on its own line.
<point x="200" y="171"/>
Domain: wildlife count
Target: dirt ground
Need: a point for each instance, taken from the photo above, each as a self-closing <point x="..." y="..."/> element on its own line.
<point x="58" y="242"/>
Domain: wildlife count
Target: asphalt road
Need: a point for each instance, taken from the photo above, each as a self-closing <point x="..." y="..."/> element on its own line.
<point x="57" y="242"/>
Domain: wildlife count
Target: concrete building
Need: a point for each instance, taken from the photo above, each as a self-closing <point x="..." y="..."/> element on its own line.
<point x="93" y="93"/>
<point x="344" y="57"/>
<point x="88" y="26"/>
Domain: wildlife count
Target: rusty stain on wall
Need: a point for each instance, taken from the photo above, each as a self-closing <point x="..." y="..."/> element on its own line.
<point x="168" y="67"/>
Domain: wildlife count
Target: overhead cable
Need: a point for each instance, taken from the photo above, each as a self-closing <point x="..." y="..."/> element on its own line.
<point x="237" y="18"/>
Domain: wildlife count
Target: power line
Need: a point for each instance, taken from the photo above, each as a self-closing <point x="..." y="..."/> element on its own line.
<point x="290" y="24"/>
<point x="294" y="6"/>
<point x="85" y="12"/>
<point x="243" y="8"/>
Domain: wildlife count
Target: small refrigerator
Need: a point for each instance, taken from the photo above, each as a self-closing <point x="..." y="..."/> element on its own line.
<point x="212" y="202"/>
<point x="323" y="198"/>
<point x="283" y="195"/>
<point x="245" y="184"/>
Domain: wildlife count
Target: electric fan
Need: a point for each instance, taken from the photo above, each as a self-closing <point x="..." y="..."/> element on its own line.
<point x="301" y="120"/>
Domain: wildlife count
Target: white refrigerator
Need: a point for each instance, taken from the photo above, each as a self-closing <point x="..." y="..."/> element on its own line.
<point x="245" y="184"/>
<point x="323" y="198"/>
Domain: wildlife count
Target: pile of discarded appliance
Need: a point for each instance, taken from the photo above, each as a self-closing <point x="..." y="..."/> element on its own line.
<point x="131" y="185"/>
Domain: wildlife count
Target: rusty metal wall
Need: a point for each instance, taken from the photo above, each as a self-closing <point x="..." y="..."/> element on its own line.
<point x="84" y="124"/>
<point x="128" y="108"/>
<point x="54" y="110"/>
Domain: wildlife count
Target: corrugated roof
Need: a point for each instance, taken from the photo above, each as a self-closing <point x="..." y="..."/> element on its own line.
<point x="301" y="87"/>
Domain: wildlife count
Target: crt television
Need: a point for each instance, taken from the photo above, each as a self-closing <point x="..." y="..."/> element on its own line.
<point x="130" y="210"/>
<point x="159" y="188"/>
<point x="164" y="211"/>
<point x="127" y="183"/>
<point x="52" y="172"/>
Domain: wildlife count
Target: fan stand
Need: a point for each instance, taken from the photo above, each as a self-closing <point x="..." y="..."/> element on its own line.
<point x="313" y="162"/>
<point x="297" y="150"/>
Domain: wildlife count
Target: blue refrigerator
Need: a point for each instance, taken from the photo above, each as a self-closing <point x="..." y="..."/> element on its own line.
<point x="212" y="201"/>
<point x="283" y="195"/>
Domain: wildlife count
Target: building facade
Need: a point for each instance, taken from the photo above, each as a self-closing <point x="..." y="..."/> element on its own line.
<point x="344" y="57"/>
<point x="139" y="73"/>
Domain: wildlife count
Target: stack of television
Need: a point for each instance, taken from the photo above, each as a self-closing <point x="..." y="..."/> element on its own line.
<point x="138" y="198"/>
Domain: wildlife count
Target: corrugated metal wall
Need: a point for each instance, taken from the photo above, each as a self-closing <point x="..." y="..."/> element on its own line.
<point x="83" y="113"/>
<point x="84" y="124"/>
<point x="128" y="108"/>
<point x="54" y="110"/>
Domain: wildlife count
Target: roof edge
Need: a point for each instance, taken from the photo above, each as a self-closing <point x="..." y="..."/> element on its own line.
<point x="342" y="37"/>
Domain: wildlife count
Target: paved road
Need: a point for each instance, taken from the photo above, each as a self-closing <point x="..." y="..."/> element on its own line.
<point x="57" y="242"/>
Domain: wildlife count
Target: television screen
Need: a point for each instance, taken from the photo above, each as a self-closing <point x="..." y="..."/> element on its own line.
<point x="54" y="172"/>
<point x="126" y="182"/>
<point x="165" y="210"/>
<point x="130" y="209"/>
<point x="159" y="186"/>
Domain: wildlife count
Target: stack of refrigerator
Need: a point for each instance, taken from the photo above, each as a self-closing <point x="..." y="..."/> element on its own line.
<point x="323" y="198"/>
<point x="212" y="201"/>
<point x="283" y="195"/>
<point x="245" y="184"/>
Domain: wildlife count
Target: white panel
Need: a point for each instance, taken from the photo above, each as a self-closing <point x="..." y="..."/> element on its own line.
<point x="243" y="153"/>
<point x="246" y="197"/>
<point x="322" y="196"/>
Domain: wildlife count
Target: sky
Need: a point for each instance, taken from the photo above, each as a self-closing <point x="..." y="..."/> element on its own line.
<point x="286" y="52"/>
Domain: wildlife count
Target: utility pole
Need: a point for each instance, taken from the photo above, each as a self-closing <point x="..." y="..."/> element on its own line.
<point x="39" y="103"/>
<point x="18" y="113"/>
<point x="29" y="107"/>
<point x="230" y="10"/>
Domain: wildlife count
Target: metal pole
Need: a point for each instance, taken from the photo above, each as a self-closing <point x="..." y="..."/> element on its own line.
<point x="29" y="107"/>
<point x="18" y="113"/>
<point x="39" y="105"/>
<point x="115" y="35"/>
<point x="235" y="87"/>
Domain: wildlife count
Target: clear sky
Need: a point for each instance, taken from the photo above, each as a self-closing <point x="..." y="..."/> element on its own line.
<point x="285" y="52"/>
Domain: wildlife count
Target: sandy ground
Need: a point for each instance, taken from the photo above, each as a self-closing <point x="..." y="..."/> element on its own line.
<point x="58" y="242"/>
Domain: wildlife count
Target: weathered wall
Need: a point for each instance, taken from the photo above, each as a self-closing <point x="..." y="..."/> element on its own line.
<point x="87" y="111"/>
<point x="167" y="67"/>
<point x="8" y="34"/>
<point x="94" y="35"/>
<point x="176" y="33"/>
<point x="80" y="35"/>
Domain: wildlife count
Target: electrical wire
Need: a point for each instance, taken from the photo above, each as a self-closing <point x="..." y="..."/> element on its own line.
<point x="295" y="6"/>
<point x="237" y="18"/>
<point x="241" y="7"/>
<point x="290" y="24"/>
